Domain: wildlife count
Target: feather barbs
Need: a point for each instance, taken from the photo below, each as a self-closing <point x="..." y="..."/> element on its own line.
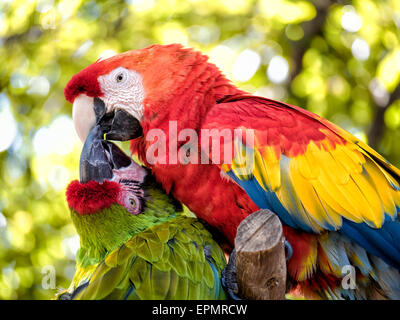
<point x="88" y="198"/>
<point x="328" y="182"/>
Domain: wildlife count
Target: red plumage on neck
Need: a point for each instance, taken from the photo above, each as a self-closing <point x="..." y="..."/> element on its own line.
<point x="88" y="198"/>
<point x="222" y="203"/>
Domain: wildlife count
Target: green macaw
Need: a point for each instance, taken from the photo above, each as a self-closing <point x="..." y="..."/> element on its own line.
<point x="135" y="241"/>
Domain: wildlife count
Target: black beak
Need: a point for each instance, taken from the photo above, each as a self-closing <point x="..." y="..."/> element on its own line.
<point x="118" y="125"/>
<point x="99" y="157"/>
<point x="124" y="127"/>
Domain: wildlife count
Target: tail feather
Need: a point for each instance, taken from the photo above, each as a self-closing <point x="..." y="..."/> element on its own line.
<point x="388" y="278"/>
<point x="373" y="278"/>
<point x="379" y="242"/>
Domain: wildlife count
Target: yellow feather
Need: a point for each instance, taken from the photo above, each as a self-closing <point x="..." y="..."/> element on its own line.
<point x="324" y="184"/>
<point x="326" y="162"/>
<point x="359" y="202"/>
<point x="287" y="195"/>
<point x="266" y="169"/>
<point x="396" y="197"/>
<point x="355" y="154"/>
<point x="307" y="170"/>
<point x="349" y="163"/>
<point x="260" y="172"/>
<point x="328" y="189"/>
<point x="271" y="163"/>
<point x="375" y="213"/>
<point x="356" y="195"/>
<point x="310" y="199"/>
<point x="309" y="265"/>
<point x="395" y="193"/>
<point x="335" y="200"/>
<point x="382" y="186"/>
<point x="243" y="162"/>
<point x="225" y="167"/>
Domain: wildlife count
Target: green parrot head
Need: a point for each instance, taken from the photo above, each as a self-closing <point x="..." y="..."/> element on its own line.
<point x="114" y="200"/>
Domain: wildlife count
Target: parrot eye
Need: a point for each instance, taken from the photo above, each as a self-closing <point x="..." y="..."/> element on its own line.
<point x="132" y="202"/>
<point x="120" y="77"/>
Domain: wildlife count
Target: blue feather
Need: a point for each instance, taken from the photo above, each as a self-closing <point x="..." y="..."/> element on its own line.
<point x="376" y="241"/>
<point x="268" y="200"/>
<point x="388" y="278"/>
<point x="383" y="242"/>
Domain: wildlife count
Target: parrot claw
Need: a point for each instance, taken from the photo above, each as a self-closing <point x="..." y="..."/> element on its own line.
<point x="288" y="250"/>
<point x="228" y="278"/>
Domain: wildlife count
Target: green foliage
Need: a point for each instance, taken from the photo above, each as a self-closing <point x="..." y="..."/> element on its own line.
<point x="338" y="59"/>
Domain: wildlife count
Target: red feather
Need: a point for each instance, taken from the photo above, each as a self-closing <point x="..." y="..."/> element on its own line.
<point x="182" y="86"/>
<point x="88" y="198"/>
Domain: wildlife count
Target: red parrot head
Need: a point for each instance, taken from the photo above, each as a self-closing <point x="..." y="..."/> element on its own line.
<point x="123" y="93"/>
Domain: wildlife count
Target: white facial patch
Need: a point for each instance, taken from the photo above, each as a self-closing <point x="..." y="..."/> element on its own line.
<point x="123" y="89"/>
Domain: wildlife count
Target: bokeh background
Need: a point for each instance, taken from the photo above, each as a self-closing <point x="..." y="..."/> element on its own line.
<point x="339" y="59"/>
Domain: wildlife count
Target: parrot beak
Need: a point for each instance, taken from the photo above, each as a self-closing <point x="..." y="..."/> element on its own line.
<point x="124" y="127"/>
<point x="99" y="157"/>
<point x="118" y="125"/>
<point x="94" y="164"/>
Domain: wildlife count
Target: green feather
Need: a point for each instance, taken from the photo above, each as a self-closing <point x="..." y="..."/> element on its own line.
<point x="158" y="254"/>
<point x="173" y="286"/>
<point x="163" y="235"/>
<point x="183" y="289"/>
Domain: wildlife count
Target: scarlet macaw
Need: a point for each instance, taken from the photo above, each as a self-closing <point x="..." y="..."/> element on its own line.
<point x="337" y="198"/>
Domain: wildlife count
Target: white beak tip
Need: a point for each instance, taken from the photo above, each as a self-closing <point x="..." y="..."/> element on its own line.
<point x="83" y="116"/>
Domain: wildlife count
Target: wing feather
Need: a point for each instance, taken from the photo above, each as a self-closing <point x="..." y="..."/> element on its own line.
<point x="156" y="264"/>
<point x="324" y="177"/>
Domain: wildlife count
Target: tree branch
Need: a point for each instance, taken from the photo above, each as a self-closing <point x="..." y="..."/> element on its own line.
<point x="377" y="128"/>
<point x="260" y="257"/>
<point x="311" y="28"/>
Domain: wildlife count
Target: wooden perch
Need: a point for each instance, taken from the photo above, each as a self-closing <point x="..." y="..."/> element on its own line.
<point x="260" y="257"/>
